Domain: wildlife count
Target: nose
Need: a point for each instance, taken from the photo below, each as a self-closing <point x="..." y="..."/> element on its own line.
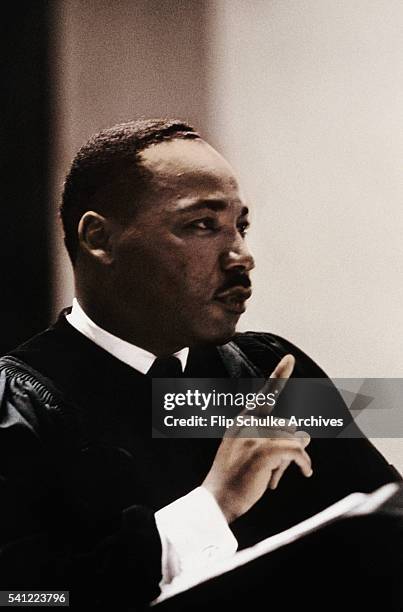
<point x="238" y="256"/>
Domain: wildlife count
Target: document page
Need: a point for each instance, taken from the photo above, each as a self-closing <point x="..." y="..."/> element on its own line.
<point x="355" y="504"/>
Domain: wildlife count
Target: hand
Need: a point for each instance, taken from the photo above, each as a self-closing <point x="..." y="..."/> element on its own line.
<point x="244" y="468"/>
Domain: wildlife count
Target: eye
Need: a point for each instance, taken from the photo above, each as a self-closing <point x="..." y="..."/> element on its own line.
<point x="205" y="224"/>
<point x="243" y="228"/>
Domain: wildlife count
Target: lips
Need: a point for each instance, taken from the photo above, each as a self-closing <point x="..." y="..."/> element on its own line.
<point x="234" y="299"/>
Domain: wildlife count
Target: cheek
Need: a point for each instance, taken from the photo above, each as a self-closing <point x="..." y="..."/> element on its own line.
<point x="201" y="276"/>
<point x="144" y="261"/>
<point x="165" y="271"/>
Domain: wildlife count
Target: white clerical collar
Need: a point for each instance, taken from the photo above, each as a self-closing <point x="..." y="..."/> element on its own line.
<point x="132" y="355"/>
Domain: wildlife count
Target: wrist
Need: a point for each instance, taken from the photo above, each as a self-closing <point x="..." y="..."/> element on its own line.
<point x="224" y="501"/>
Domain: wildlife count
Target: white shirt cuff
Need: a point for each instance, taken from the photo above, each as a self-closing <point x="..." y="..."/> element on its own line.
<point x="193" y="533"/>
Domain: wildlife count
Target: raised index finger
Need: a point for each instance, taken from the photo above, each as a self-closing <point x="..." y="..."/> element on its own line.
<point x="284" y="367"/>
<point x="279" y="377"/>
<point x="274" y="384"/>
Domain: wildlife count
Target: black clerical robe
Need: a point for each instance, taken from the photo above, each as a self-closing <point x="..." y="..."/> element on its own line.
<point x="81" y="477"/>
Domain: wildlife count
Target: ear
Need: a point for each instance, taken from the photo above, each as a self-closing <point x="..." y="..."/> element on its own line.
<point x="95" y="237"/>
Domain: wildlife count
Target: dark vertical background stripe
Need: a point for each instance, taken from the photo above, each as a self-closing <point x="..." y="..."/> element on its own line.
<point x="25" y="132"/>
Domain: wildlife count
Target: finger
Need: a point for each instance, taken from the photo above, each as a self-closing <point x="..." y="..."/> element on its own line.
<point x="284" y="368"/>
<point x="280" y="375"/>
<point x="303" y="460"/>
<point x="280" y="431"/>
<point x="289" y="427"/>
<point x="274" y="432"/>
<point x="277" y="474"/>
<point x="276" y="383"/>
<point x="304" y="437"/>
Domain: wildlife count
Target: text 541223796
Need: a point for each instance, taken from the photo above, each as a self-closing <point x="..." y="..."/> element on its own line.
<point x="34" y="598"/>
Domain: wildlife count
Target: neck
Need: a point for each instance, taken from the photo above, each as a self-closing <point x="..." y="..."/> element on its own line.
<point x="144" y="334"/>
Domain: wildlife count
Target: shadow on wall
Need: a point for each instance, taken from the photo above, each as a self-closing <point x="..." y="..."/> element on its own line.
<point x="25" y="302"/>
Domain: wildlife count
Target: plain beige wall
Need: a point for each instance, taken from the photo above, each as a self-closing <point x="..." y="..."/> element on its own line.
<point x="307" y="102"/>
<point x="305" y="98"/>
<point x="113" y="61"/>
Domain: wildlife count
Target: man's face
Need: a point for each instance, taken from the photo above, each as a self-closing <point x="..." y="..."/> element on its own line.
<point x="181" y="265"/>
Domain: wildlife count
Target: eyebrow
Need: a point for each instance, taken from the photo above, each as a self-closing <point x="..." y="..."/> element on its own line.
<point x="211" y="204"/>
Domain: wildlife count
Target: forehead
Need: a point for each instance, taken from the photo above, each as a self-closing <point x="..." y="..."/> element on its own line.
<point x="181" y="166"/>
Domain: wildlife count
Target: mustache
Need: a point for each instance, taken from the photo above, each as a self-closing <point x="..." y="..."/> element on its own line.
<point x="236" y="279"/>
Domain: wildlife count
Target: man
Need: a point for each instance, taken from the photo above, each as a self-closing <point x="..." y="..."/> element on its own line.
<point x="155" y="227"/>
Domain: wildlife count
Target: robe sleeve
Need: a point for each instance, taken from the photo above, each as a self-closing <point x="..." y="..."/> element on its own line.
<point x="340" y="465"/>
<point x="50" y="538"/>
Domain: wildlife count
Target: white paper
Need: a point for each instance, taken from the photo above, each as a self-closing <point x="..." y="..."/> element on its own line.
<point x="356" y="504"/>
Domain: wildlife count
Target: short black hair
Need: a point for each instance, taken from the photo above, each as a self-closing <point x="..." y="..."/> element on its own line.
<point x="107" y="175"/>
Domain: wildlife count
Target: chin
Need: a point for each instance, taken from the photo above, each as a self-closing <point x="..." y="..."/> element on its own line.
<point x="215" y="334"/>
